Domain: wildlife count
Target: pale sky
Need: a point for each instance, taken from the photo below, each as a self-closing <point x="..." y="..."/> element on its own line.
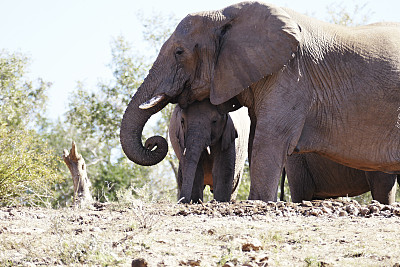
<point x="69" y="41"/>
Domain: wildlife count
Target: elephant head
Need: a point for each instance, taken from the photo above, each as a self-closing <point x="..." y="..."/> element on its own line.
<point x="212" y="55"/>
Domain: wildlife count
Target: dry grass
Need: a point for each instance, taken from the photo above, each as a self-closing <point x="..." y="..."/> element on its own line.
<point x="115" y="234"/>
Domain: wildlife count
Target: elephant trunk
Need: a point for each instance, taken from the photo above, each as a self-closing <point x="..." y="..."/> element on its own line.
<point x="190" y="164"/>
<point x="132" y="125"/>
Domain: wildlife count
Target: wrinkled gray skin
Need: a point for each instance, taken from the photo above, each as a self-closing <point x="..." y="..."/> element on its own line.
<point x="310" y="86"/>
<point x="197" y="127"/>
<point x="311" y="176"/>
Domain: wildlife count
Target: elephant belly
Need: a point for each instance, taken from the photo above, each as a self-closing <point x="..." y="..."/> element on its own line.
<point x="340" y="186"/>
<point x="207" y="169"/>
<point x="335" y="180"/>
<point x="322" y="194"/>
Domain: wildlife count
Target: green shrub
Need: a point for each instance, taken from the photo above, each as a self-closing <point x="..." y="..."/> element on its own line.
<point x="27" y="168"/>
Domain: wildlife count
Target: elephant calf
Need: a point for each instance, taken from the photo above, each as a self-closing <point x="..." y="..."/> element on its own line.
<point x="211" y="148"/>
<point x="311" y="176"/>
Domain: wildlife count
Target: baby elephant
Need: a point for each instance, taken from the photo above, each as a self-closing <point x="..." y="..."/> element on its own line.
<point x="211" y="148"/>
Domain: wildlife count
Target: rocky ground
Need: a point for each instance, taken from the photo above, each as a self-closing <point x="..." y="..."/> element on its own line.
<point x="245" y="233"/>
<point x="328" y="208"/>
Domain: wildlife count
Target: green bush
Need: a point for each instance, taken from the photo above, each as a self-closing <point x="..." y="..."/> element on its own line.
<point x="27" y="171"/>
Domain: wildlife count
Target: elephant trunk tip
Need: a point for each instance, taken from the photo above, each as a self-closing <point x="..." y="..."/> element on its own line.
<point x="154" y="151"/>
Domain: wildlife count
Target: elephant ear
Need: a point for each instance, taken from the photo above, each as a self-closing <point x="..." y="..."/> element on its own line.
<point x="255" y="40"/>
<point x="176" y="132"/>
<point x="181" y="137"/>
<point x="229" y="134"/>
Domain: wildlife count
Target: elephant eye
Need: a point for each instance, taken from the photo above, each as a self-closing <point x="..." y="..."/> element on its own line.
<point x="179" y="51"/>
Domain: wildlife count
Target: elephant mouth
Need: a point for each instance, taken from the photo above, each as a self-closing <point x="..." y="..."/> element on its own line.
<point x="184" y="96"/>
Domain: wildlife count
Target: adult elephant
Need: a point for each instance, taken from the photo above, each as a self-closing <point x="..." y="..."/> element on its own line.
<point x="310" y="86"/>
<point x="211" y="148"/>
<point x="311" y="176"/>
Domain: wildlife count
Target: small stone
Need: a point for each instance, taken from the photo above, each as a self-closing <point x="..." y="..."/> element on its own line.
<point x="337" y="204"/>
<point x="343" y="213"/>
<point x="280" y="204"/>
<point x="376" y="204"/>
<point x="326" y="210"/>
<point x="251" y="244"/>
<point x="387" y="207"/>
<point x="262" y="258"/>
<point x="306" y="203"/>
<point x="355" y="203"/>
<point x="373" y="209"/>
<point x="316" y="212"/>
<point x="12" y="213"/>
<point x="352" y="209"/>
<point x="228" y="264"/>
<point x="364" y="211"/>
<point x="396" y="211"/>
<point x="139" y="263"/>
<point x="386" y="213"/>
<point x="193" y="262"/>
<point x="40" y="216"/>
<point x="278" y="213"/>
<point x="183" y="212"/>
<point x="240" y="211"/>
<point x="327" y="204"/>
<point x="211" y="232"/>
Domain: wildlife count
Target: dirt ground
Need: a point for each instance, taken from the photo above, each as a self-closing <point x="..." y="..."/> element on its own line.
<point x="247" y="233"/>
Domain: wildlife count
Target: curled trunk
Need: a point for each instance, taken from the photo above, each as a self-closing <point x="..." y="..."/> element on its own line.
<point x="131" y="132"/>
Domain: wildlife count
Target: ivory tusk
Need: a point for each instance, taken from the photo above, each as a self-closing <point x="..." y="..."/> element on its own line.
<point x="208" y="150"/>
<point x="152" y="102"/>
<point x="184" y="151"/>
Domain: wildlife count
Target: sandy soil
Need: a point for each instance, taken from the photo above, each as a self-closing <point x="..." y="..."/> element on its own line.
<point x="248" y="233"/>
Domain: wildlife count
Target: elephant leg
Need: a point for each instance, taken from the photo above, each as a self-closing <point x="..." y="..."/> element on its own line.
<point x="267" y="160"/>
<point x="179" y="180"/>
<point x="299" y="178"/>
<point x="281" y="114"/>
<point x="383" y="186"/>
<point x="223" y="172"/>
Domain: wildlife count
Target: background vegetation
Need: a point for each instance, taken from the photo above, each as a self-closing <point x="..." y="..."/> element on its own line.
<point x="31" y="172"/>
